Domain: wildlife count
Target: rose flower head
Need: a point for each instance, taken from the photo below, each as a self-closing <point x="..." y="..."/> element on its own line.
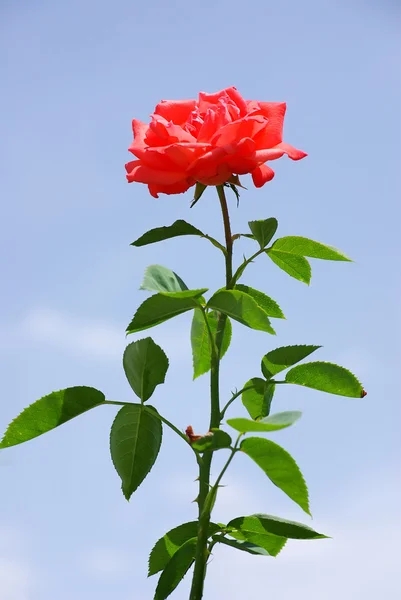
<point x="209" y="141"/>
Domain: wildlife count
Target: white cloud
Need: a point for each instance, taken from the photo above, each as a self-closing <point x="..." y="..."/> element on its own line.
<point x="360" y="562"/>
<point x="105" y="562"/>
<point x="78" y="335"/>
<point x="85" y="336"/>
<point x="17" y="579"/>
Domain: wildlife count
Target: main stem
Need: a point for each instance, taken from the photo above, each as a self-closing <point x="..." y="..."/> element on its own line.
<point x="202" y="552"/>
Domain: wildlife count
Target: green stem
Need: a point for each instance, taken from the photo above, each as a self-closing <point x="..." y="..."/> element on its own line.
<point x="202" y="552"/>
<point x="228" y="235"/>
<point x="234" y="397"/>
<point x="224" y="469"/>
<point x="242" y="267"/>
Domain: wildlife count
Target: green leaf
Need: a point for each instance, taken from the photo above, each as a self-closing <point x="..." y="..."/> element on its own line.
<point x="242" y="308"/>
<point x="159" y="234"/>
<point x="272" y="423"/>
<point x="296" y="266"/>
<point x="280" y="359"/>
<point x="267" y="304"/>
<point x="257" y="401"/>
<point x="135" y="440"/>
<point x="161" y="307"/>
<point x="175" y="569"/>
<point x="161" y="279"/>
<point x="145" y="365"/>
<point x="267" y="524"/>
<point x="326" y="377"/>
<point x="240" y="545"/>
<point x="168" y="545"/>
<point x="215" y="440"/>
<point x="200" y="341"/>
<point x="263" y="231"/>
<point x="304" y="247"/>
<point x="49" y="412"/>
<point x="280" y="467"/>
<point x="273" y="544"/>
<point x="199" y="189"/>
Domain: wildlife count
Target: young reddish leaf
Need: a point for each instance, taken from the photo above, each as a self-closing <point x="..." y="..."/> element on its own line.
<point x="216" y="439"/>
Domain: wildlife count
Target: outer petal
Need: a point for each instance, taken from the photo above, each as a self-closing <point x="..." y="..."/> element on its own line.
<point x="269" y="154"/>
<point x="155" y="157"/>
<point x="223" y="173"/>
<point x="273" y="133"/>
<point x="175" y="188"/>
<point x="140" y="129"/>
<point x="176" y="111"/>
<point x="291" y="151"/>
<point x="261" y="175"/>
<point x="137" y="171"/>
<point x="241" y="165"/>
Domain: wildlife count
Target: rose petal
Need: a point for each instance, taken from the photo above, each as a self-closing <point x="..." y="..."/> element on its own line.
<point x="238" y="99"/>
<point x="292" y="152"/>
<point x="206" y="165"/>
<point x="273" y="133"/>
<point x="215" y="119"/>
<point x="206" y="101"/>
<point x="261" y="175"/>
<point x="139" y="130"/>
<point x="176" y="111"/>
<point x="155" y="157"/>
<point x="223" y="174"/>
<point x="175" y="188"/>
<point x="183" y="155"/>
<point x="268" y="154"/>
<point x="241" y="165"/>
<point x="236" y="131"/>
<point x="137" y="171"/>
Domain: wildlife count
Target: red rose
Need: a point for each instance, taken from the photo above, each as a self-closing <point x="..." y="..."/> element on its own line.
<point x="209" y="141"/>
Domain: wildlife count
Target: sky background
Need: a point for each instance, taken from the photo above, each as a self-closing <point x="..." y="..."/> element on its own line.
<point x="73" y="75"/>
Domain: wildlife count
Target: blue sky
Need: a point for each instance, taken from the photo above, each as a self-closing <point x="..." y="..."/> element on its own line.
<point x="73" y="76"/>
